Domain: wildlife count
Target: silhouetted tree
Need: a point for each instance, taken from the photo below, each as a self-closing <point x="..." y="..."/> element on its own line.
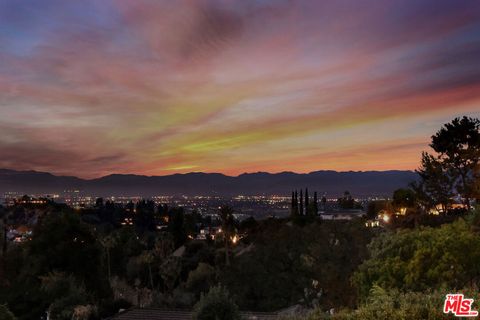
<point x="297" y="211"/>
<point x="292" y="205"/>
<point x="324" y="203"/>
<point x="301" y="202"/>
<point x="175" y="226"/>
<point x="145" y="216"/>
<point x="190" y="223"/>
<point x="108" y="242"/>
<point x="307" y="202"/>
<point x="476" y="186"/>
<point x="457" y="145"/>
<point x="107" y="213"/>
<point x="228" y="226"/>
<point x="347" y="201"/>
<point x="403" y="198"/>
<point x="99" y="203"/>
<point x="436" y="184"/>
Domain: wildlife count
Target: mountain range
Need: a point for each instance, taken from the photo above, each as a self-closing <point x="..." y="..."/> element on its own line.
<point x="359" y="183"/>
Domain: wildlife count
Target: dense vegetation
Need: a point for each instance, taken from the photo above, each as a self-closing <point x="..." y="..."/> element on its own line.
<point x="421" y="259"/>
<point x="89" y="263"/>
<point x="290" y="264"/>
<point x="410" y="271"/>
<point x="421" y="256"/>
<point x="69" y="263"/>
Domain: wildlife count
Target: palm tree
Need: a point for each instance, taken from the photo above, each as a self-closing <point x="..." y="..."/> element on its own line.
<point x="228" y="225"/>
<point x="108" y="242"/>
<point x="147" y="258"/>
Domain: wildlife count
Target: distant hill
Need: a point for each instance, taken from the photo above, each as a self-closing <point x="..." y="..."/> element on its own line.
<point x="359" y="183"/>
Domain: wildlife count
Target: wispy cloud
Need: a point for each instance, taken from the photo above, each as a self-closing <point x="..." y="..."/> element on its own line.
<point x="96" y="87"/>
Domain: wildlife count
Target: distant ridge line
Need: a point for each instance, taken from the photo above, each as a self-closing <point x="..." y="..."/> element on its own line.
<point x="359" y="183"/>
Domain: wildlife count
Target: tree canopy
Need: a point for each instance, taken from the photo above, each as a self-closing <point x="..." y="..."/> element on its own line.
<point x="421" y="259"/>
<point x="454" y="166"/>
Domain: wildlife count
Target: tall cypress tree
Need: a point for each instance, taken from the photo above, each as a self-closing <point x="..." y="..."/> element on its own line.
<point x="301" y="202"/>
<point x="307" y="202"/>
<point x="292" y="210"/>
<point x="296" y="203"/>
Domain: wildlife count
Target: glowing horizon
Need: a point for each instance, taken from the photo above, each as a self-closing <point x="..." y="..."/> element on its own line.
<point x="93" y="88"/>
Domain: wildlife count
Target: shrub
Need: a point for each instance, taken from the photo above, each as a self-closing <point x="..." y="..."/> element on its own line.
<point x="422" y="259"/>
<point x="216" y="305"/>
<point x="393" y="305"/>
<point x="200" y="279"/>
<point x="5" y="314"/>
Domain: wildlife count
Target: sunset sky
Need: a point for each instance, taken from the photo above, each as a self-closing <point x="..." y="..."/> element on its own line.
<point x="90" y="88"/>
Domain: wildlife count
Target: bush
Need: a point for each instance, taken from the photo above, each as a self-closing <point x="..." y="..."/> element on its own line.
<point x="216" y="305"/>
<point x="200" y="279"/>
<point x="392" y="305"/>
<point x="422" y="259"/>
<point x="66" y="294"/>
<point x="5" y="314"/>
